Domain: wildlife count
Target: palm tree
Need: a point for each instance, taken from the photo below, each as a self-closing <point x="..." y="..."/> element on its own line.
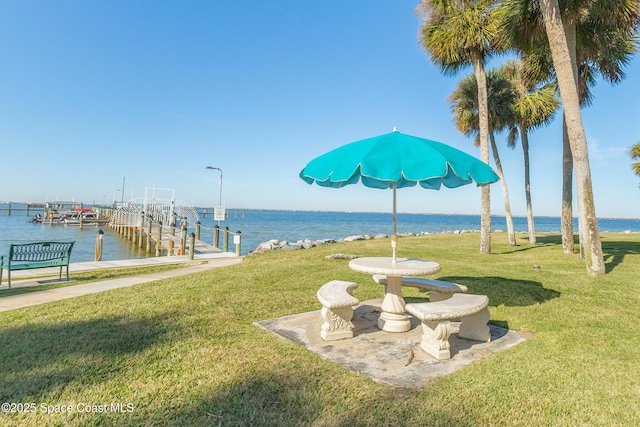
<point x="599" y="50"/>
<point x="459" y="33"/>
<point x="599" y="39"/>
<point x="635" y="155"/>
<point x="464" y="102"/>
<point x="534" y="106"/>
<point x="568" y="85"/>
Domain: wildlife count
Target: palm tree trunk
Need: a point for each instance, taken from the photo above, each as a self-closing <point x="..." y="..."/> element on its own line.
<point x="524" y="138"/>
<point x="483" y="124"/>
<point x="566" y="218"/>
<point x="569" y="27"/>
<point x="505" y="193"/>
<point x="568" y="91"/>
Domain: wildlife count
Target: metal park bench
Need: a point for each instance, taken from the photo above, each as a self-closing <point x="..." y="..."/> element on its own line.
<point x="36" y="255"/>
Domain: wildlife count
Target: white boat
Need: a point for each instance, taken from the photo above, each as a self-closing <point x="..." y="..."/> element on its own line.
<point x="88" y="218"/>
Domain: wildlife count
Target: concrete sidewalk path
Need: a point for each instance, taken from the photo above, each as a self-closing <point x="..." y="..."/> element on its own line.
<point x="29" y="278"/>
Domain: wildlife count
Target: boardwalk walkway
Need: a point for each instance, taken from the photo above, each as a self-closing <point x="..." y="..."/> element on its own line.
<point x="146" y="239"/>
<point x="200" y="247"/>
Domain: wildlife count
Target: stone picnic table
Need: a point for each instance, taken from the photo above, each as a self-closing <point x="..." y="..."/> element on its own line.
<point x="393" y="317"/>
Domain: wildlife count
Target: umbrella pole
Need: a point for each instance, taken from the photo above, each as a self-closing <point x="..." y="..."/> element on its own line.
<point x="394" y="236"/>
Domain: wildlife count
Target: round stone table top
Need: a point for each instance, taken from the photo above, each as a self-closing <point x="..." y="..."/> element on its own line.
<point x="402" y="266"/>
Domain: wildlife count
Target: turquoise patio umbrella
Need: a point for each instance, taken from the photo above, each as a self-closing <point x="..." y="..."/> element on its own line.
<point x="396" y="160"/>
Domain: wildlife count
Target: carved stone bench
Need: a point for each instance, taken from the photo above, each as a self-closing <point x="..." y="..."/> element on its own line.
<point x="337" y="309"/>
<point x="438" y="289"/>
<point x="473" y="310"/>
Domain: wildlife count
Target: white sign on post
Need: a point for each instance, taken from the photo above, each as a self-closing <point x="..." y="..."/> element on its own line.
<point x="219" y="213"/>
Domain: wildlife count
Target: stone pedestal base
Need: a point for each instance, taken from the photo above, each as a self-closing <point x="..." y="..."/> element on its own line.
<point x="392" y="322"/>
<point x="475" y="327"/>
<point x="393" y="317"/>
<point x="337" y="323"/>
<point x="435" y="339"/>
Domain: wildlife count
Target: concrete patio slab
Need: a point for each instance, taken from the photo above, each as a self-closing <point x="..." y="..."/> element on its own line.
<point x="389" y="357"/>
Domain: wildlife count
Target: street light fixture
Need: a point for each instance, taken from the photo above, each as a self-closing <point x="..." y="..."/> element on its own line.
<point x="122" y="195"/>
<point x="219" y="170"/>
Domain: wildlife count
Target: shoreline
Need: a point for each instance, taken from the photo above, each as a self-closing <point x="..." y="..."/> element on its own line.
<point x="284" y="229"/>
<point x="275" y="244"/>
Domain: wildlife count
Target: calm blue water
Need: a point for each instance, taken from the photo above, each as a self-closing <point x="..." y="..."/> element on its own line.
<point x="259" y="226"/>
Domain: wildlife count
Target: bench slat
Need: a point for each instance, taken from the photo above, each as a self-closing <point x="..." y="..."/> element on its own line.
<point x="33" y="265"/>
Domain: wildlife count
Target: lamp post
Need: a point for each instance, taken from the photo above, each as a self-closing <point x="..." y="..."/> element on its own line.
<point x="122" y="195"/>
<point x="219" y="170"/>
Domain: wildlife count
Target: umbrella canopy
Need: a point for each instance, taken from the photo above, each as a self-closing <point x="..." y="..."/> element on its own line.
<point x="400" y="160"/>
<point x="396" y="160"/>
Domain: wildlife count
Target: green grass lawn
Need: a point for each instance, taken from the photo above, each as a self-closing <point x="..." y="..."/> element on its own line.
<point x="185" y="351"/>
<point x="46" y="282"/>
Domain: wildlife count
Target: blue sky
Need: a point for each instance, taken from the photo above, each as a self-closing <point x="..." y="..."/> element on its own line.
<point x="92" y="92"/>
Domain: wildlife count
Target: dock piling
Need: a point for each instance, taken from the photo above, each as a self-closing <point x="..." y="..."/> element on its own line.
<point x="99" y="239"/>
<point x="183" y="241"/>
<point x="192" y="245"/>
<point x="216" y="236"/>
<point x="159" y="239"/>
<point x="237" y="239"/>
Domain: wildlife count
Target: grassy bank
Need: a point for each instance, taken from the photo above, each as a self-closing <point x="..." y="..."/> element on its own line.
<point x="185" y="351"/>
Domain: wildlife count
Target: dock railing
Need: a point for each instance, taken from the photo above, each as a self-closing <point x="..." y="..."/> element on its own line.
<point x="167" y="234"/>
